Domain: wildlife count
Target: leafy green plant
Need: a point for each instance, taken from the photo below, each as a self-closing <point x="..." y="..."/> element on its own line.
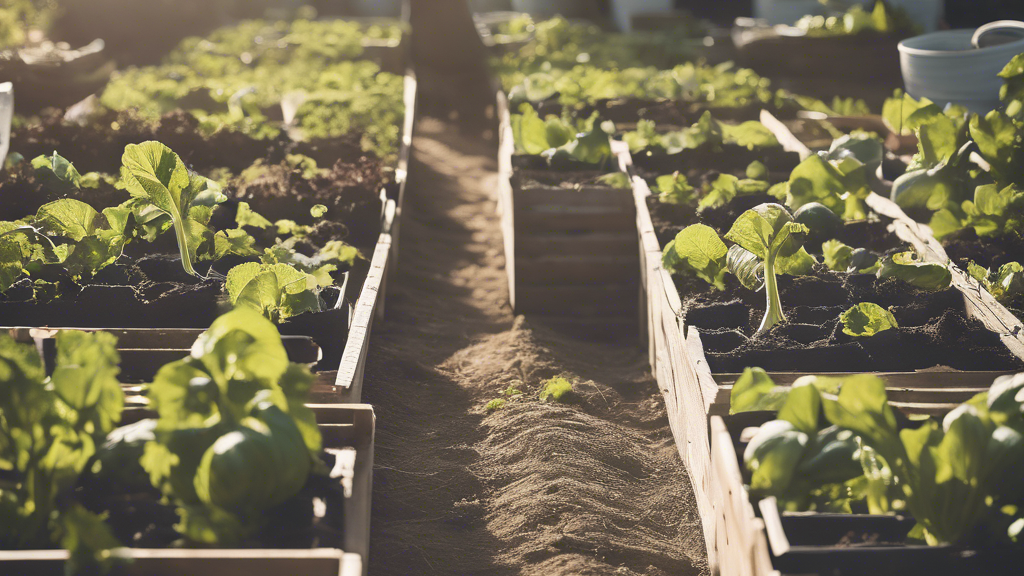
<point x="842" y="258"/>
<point x="559" y="140"/>
<point x="1006" y="284"/>
<point x="234" y="438"/>
<point x="698" y="250"/>
<point x="951" y="476"/>
<point x="882" y="19"/>
<point x="674" y="189"/>
<point x="908" y="267"/>
<point x="705" y="133"/>
<point x="867" y="319"/>
<point x="154" y="173"/>
<point x="557" y="389"/>
<point x="769" y="233"/>
<point x="277" y="291"/>
<point x="495" y="405"/>
<point x="51" y="427"/>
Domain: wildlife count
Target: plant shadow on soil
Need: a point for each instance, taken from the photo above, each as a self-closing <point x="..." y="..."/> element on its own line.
<point x="593" y="486"/>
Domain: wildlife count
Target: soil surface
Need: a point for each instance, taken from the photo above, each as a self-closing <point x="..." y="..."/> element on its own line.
<point x="590" y="487"/>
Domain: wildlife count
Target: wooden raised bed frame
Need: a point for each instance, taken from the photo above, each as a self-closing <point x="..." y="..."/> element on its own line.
<point x="693" y="394"/>
<point x="570" y="254"/>
<point x="342" y="427"/>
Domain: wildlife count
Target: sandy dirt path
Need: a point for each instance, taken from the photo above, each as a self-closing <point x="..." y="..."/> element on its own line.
<point x="590" y="487"/>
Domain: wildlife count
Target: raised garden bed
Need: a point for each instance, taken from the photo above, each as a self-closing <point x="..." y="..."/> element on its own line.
<point x="695" y="390"/>
<point x="362" y="194"/>
<point x="570" y="252"/>
<point x="755" y="537"/>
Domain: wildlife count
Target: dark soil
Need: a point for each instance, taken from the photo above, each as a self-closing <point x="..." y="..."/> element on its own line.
<point x="934" y="329"/>
<point x="21" y="193"/>
<point x="96" y="145"/>
<point x="964" y="246"/>
<point x="592" y="487"/>
<point x="727" y="158"/>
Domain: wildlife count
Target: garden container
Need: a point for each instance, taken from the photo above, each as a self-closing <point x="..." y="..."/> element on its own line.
<point x="348" y="434"/>
<point x="786" y="11"/>
<point x="945" y="67"/>
<point x="572" y="255"/>
<point x="754" y="538"/>
<point x="623" y="10"/>
<point x="693" y="392"/>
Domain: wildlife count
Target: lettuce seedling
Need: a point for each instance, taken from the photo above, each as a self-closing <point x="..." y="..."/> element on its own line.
<point x="1006" y="284"/>
<point x="153" y="172"/>
<point x="867" y="319"/>
<point x="674" y="189"/>
<point x="769" y="232"/>
<point x="908" y="267"/>
<point x="277" y="291"/>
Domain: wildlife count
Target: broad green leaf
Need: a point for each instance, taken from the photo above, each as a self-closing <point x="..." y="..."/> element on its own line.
<point x="752" y="391"/>
<point x="837" y="255"/>
<point x="85" y="376"/>
<point x="750" y="135"/>
<point x="245" y="216"/>
<point x="702" y="252"/>
<point x="529" y="131"/>
<point x="908" y="267"/>
<point x="816" y="180"/>
<point x="867" y="319"/>
<point x="152" y="171"/>
<point x="862" y="406"/>
<point x="722" y="191"/>
<point x="235" y="242"/>
<point x="57" y="172"/>
<point x="801" y="408"/>
<point x="996" y="137"/>
<point x="278" y="291"/>
<point x="800" y="263"/>
<point x="70" y="218"/>
<point x="772" y="455"/>
<point x="757" y="171"/>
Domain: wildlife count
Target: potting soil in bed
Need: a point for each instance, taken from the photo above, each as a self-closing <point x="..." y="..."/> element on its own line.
<point x="590" y="487"/>
<point x="933" y="327"/>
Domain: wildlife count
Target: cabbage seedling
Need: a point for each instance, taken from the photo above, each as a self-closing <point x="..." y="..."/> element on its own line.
<point x="769" y="232"/>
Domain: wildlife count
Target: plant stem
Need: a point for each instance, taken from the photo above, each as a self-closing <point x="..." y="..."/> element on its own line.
<point x="773" y="315"/>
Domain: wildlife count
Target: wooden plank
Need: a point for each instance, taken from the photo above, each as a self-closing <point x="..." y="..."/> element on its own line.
<point x="349" y="384"/>
<point x="554" y="270"/>
<point x="506" y="207"/>
<point x="597" y="300"/>
<point x="788" y="140"/>
<point x="581" y="219"/>
<point x="410" y="90"/>
<point x="609" y="244"/>
<point x="536" y="197"/>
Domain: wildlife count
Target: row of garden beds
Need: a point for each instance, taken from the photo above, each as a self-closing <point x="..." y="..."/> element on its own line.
<point x="697" y="358"/>
<point x="350" y="183"/>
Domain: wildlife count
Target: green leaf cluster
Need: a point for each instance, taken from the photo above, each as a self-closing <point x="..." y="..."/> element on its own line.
<point x="233" y="78"/>
<point x="51" y="428"/>
<point x="1006" y="283"/>
<point x="706" y="133"/>
<point x="561" y="141"/>
<point x="952" y="476"/>
<point x="867" y="319"/>
<point x="234" y="437"/>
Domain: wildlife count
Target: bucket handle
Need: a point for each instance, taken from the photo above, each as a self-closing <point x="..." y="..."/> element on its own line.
<point x="1001" y="25"/>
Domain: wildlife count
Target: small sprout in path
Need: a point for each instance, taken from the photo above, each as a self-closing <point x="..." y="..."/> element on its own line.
<point x="557" y="389"/>
<point x="867" y="319"/>
<point x="318" y="211"/>
<point x="493" y="405"/>
<point x="511" y="391"/>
